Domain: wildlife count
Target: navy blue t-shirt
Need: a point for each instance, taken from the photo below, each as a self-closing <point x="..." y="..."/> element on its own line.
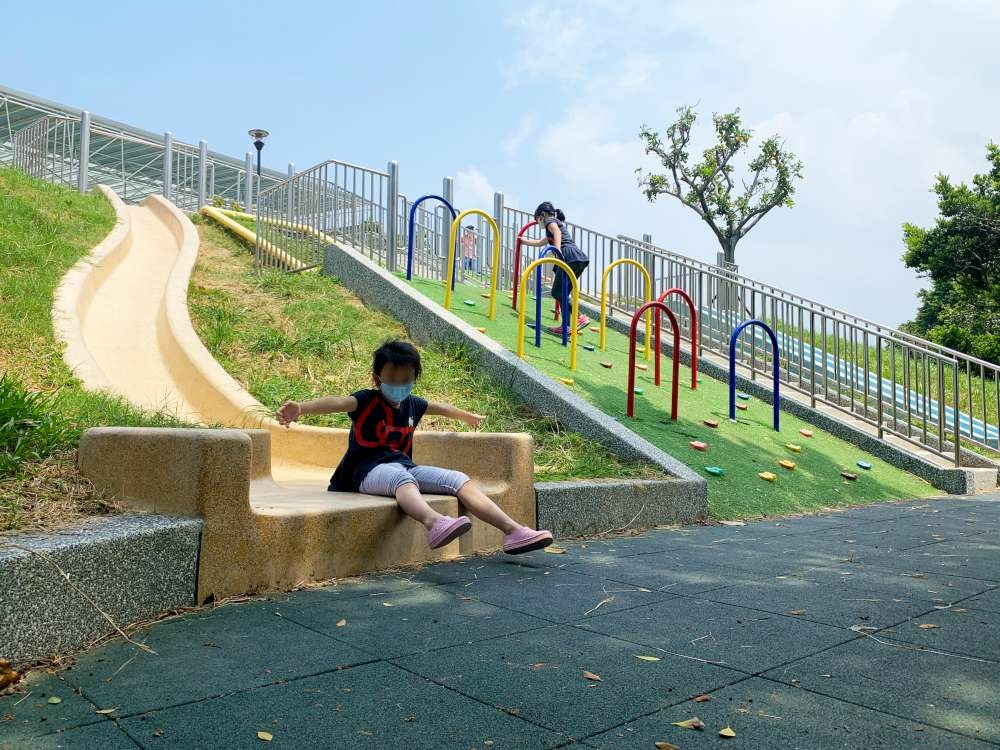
<point x="380" y="434"/>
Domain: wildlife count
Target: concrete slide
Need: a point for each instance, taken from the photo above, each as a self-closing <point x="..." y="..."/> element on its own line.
<point x="122" y="314"/>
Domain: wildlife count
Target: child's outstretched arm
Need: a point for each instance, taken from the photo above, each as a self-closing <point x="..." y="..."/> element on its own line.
<point x="292" y="410"/>
<point x="453" y="412"/>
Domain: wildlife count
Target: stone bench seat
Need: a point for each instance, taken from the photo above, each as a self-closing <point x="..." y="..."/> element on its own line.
<point x="273" y="529"/>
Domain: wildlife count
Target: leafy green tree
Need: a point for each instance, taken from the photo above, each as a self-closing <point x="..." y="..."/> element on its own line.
<point x="709" y="188"/>
<point x="960" y="255"/>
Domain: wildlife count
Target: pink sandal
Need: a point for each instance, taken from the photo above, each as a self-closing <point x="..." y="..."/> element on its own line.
<point x="446" y="529"/>
<point x="524" y="539"/>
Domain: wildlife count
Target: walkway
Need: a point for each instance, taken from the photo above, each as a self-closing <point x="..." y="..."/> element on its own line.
<point x="872" y="628"/>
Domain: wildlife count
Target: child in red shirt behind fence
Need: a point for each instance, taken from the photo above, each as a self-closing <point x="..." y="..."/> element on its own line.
<point x="380" y="448"/>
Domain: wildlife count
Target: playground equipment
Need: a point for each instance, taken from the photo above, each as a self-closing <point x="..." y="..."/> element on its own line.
<point x="732" y="368"/>
<point x="694" y="330"/>
<point x="604" y="301"/>
<point x="409" y="234"/>
<point x="538" y="301"/>
<point x="633" y="330"/>
<point x="522" y="313"/>
<point x="517" y="259"/>
<point x="452" y="236"/>
<point x="805" y="433"/>
<point x="713" y="423"/>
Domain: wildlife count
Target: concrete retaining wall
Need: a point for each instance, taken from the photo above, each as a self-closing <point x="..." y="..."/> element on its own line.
<point x="132" y="566"/>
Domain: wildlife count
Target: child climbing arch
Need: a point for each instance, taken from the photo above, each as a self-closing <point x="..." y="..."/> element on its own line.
<point x="410" y="232"/>
<point x="633" y="332"/>
<point x="732" y="367"/>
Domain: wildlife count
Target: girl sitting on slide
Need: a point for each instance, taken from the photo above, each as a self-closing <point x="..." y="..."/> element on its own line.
<point x="552" y="220"/>
<point x="380" y="448"/>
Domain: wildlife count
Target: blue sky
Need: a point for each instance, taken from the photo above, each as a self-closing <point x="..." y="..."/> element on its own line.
<point x="544" y="101"/>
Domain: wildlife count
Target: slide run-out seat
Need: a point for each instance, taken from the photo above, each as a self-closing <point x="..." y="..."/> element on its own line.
<point x="265" y="531"/>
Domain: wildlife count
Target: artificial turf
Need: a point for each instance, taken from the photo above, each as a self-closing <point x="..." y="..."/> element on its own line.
<point x="741" y="449"/>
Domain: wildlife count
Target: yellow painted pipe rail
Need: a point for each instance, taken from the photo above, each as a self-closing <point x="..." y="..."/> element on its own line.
<point x="248" y="234"/>
<point x="450" y="276"/>
<point x="523" y="307"/>
<point x="280" y="223"/>
<point x="604" y="299"/>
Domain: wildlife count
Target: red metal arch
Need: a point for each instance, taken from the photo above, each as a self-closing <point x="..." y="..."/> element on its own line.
<point x="659" y="306"/>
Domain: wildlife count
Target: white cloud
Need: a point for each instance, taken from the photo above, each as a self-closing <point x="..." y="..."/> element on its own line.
<point x="875" y="96"/>
<point x="524" y="129"/>
<point x="473" y="190"/>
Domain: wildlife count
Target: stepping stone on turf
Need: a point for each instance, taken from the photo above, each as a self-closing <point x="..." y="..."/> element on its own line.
<point x="864" y="465"/>
<point x="566" y="381"/>
<point x="793" y="447"/>
<point x="642" y="367"/>
<point x="698" y="445"/>
<point x="805" y="433"/>
<point x="589" y="347"/>
<point x="607" y="365"/>
<point x="470" y="302"/>
<point x="485" y="295"/>
<point x="637" y="390"/>
<point x="741" y="407"/>
<point x="595" y="329"/>
<point x="481" y="330"/>
<point x="743" y="396"/>
<point x="768" y="476"/>
<point x="715" y="471"/>
<point x="848" y="476"/>
<point x="711" y="422"/>
<point x="786" y="464"/>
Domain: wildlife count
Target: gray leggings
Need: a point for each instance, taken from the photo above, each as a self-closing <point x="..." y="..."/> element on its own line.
<point x="385" y="479"/>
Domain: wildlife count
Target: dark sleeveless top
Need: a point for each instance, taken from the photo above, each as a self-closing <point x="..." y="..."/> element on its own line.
<point x="568" y="248"/>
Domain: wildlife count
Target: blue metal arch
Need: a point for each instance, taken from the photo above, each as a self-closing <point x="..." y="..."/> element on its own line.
<point x="732" y="367"/>
<point x="409" y="233"/>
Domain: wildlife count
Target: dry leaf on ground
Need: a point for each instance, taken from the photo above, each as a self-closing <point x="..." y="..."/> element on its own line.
<point x="553" y="550"/>
<point x="591" y="676"/>
<point x="341" y="623"/>
<point x="265" y="736"/>
<point x="797" y="612"/>
<point x="727" y="732"/>
<point x="927" y="626"/>
<point x="693" y="723"/>
<point x="702" y="698"/>
<point x="665" y="746"/>
<point x="648" y="658"/>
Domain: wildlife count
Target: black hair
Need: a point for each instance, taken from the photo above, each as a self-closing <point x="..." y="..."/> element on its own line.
<point x="546" y="207"/>
<point x="398" y="353"/>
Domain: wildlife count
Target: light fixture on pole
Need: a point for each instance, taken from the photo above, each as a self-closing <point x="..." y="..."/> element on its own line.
<point x="258" y="136"/>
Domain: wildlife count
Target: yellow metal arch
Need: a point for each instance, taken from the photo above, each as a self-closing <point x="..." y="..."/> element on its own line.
<point x="604" y="299"/>
<point x="523" y="307"/>
<point x="452" y="236"/>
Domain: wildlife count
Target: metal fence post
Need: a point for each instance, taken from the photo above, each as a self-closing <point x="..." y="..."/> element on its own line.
<point x="448" y="193"/>
<point x="290" y="190"/>
<point x="878" y="402"/>
<point x="84" y="163"/>
<point x="955" y="413"/>
<point x="202" y="172"/>
<point x="211" y="180"/>
<point x="391" y="216"/>
<point x="248" y="187"/>
<point x="498" y="251"/>
<point x="168" y="164"/>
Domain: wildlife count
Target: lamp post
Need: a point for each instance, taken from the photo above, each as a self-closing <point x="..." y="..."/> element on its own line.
<point x="258" y="137"/>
